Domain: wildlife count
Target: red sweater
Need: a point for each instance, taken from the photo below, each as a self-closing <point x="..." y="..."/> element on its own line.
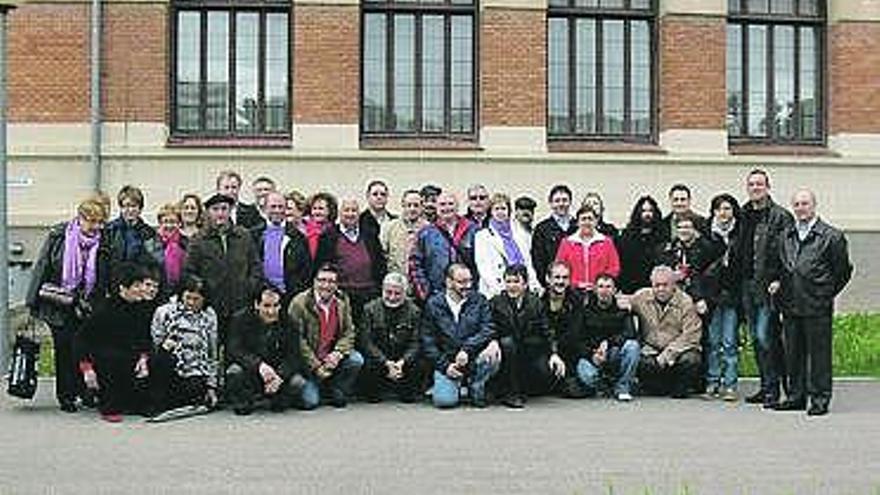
<point x="588" y="259"/>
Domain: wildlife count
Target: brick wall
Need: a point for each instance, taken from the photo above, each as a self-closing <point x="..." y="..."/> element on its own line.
<point x="854" y="86"/>
<point x="513" y="73"/>
<point x="135" y="72"/>
<point x="692" y="72"/>
<point x="326" y="79"/>
<point x="48" y="63"/>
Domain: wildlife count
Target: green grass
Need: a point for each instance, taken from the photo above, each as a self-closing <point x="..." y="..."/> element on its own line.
<point x="856" y="348"/>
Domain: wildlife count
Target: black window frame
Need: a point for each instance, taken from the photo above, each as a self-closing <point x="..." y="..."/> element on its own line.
<point x="232" y="8"/>
<point x="744" y="18"/>
<point x="600" y="14"/>
<point x="448" y="9"/>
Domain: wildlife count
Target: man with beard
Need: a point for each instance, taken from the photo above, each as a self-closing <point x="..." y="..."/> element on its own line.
<point x="639" y="245"/>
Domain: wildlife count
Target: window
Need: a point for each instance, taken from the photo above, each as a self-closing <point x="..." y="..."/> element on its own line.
<point x="601" y="69"/>
<point x="231" y="75"/>
<point x="774" y="71"/>
<point x="419" y="68"/>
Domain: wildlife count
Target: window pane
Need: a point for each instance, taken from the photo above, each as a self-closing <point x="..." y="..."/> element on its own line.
<point x="733" y="6"/>
<point x="246" y="62"/>
<point x="640" y="4"/>
<point x="640" y="78"/>
<point x="809" y="7"/>
<point x="612" y="71"/>
<point x="217" y="111"/>
<point x="462" y="112"/>
<point x="559" y="3"/>
<point x="757" y="125"/>
<point x="809" y="85"/>
<point x="375" y="104"/>
<point x="586" y="3"/>
<point x="734" y="80"/>
<point x="613" y="4"/>
<point x="187" y="90"/>
<point x="585" y="77"/>
<point x="758" y="6"/>
<point x="782" y="7"/>
<point x="433" y="87"/>
<point x="277" y="73"/>
<point x="404" y="73"/>
<point x="558" y="76"/>
<point x="783" y="78"/>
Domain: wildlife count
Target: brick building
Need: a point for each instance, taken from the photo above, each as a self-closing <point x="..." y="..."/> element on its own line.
<point x="620" y="96"/>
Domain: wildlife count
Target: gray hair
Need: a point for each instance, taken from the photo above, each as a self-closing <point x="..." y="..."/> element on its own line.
<point x="662" y="270"/>
<point x="395" y="278"/>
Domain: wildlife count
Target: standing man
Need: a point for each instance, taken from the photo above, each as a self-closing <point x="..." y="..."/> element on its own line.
<point x="229" y="185"/>
<point x="458" y="339"/>
<point x="429" y="195"/>
<point x="283" y="250"/>
<point x="260" y="189"/>
<point x="680" y="206"/>
<point x="478" y="205"/>
<point x="398" y="236"/>
<point x="448" y="240"/>
<point x="224" y="256"/>
<point x="376" y="215"/>
<point x="815" y="268"/>
<point x="550" y="231"/>
<point x="764" y="226"/>
<point x="322" y="315"/>
<point x="524" y="212"/>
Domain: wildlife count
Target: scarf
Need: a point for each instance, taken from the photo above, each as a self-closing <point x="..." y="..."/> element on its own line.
<point x="313" y="233"/>
<point x="723" y="230"/>
<point x="273" y="259"/>
<point x="173" y="255"/>
<point x="329" y="325"/>
<point x="511" y="251"/>
<point x="80" y="258"/>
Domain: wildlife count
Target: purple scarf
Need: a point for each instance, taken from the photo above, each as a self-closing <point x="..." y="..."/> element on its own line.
<point x="80" y="258"/>
<point x="511" y="251"/>
<point x="273" y="259"/>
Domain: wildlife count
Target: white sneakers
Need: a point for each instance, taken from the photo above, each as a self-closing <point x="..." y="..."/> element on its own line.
<point x="624" y="397"/>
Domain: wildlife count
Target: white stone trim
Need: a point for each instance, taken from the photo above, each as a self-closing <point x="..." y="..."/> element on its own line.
<point x="498" y="139"/>
<point x="694" y="7"/>
<point x="325" y="137"/>
<point x="854" y="10"/>
<point x="694" y="141"/>
<point x="847" y="144"/>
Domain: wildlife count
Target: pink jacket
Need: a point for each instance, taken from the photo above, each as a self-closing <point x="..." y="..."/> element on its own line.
<point x="587" y="259"/>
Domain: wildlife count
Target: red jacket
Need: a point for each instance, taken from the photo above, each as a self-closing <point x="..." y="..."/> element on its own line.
<point x="588" y="259"/>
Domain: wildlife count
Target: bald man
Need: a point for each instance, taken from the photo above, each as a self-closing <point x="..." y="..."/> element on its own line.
<point x="815" y="267"/>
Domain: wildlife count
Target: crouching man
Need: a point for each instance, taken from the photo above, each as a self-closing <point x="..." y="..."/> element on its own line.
<point x="458" y="339"/>
<point x="264" y="355"/>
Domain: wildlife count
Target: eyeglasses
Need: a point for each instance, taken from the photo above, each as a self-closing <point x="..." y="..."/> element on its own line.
<point x="478" y="196"/>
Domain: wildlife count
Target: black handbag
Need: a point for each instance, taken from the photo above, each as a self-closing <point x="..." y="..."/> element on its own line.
<point x="23" y="367"/>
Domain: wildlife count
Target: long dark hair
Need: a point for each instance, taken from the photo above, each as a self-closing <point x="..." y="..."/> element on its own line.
<point x="724" y="198"/>
<point x="635" y="216"/>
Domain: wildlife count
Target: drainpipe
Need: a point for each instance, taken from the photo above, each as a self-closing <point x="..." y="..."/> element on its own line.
<point x="95" y="91"/>
<point x="5" y="7"/>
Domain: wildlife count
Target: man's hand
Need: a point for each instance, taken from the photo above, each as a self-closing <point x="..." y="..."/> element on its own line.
<point x="323" y="373"/>
<point x="211" y="398"/>
<point x="600" y="355"/>
<point x="492" y="352"/>
<point x="461" y="359"/>
<point x="394" y="369"/>
<point x="701" y="307"/>
<point x="453" y="371"/>
<point x="332" y="360"/>
<point x="141" y="368"/>
<point x="267" y="373"/>
<point x="665" y="359"/>
<point x="774" y="287"/>
<point x="272" y="387"/>
<point x="557" y="365"/>
<point x="90" y="378"/>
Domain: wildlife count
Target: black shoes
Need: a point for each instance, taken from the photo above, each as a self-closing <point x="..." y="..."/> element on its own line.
<point x="68" y="406"/>
<point x="756" y="398"/>
<point x="817" y="409"/>
<point x="514" y="401"/>
<point x="791" y="405"/>
<point x="338" y="399"/>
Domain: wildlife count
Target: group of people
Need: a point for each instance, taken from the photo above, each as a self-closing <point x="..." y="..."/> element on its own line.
<point x="298" y="301"/>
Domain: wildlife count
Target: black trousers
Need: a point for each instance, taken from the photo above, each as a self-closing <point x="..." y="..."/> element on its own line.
<point x="524" y="370"/>
<point x="168" y="390"/>
<point x="808" y="355"/>
<point x="373" y="380"/>
<point x="119" y="391"/>
<point x="677" y="380"/>
<point x="68" y="383"/>
<point x="245" y="387"/>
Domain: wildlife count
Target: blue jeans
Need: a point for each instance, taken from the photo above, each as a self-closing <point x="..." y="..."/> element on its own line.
<point x="445" y="390"/>
<point x="763" y="341"/>
<point x="622" y="362"/>
<point x="722" y="340"/>
<point x="342" y="381"/>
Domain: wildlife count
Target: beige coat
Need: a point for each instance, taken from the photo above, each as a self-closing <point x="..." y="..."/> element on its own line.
<point x="674" y="329"/>
<point x="397" y="239"/>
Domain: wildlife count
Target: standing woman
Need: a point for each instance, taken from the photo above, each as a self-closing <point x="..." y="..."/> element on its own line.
<point x="723" y="293"/>
<point x="588" y="252"/>
<point x="128" y="234"/>
<point x="639" y="245"/>
<point x="168" y="248"/>
<point x="296" y="210"/>
<point x="192" y="214"/>
<point x="322" y="207"/>
<point x="73" y="261"/>
<point x="501" y="244"/>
